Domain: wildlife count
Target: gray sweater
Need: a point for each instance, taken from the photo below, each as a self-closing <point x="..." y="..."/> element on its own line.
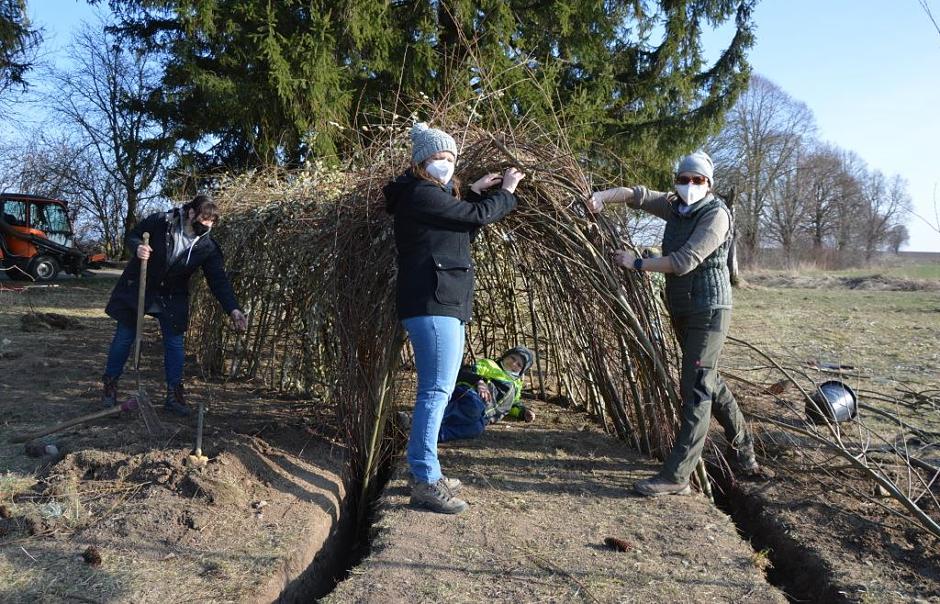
<point x="712" y="230"/>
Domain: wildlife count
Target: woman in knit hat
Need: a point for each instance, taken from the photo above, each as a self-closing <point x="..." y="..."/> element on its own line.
<point x="433" y="231"/>
<point x="698" y="294"/>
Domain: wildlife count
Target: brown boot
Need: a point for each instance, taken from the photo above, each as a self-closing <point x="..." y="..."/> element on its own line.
<point x="658" y="486"/>
<point x="175" y="401"/>
<point x="108" y="391"/>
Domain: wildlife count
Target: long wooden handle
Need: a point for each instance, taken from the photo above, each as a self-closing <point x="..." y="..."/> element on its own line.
<point x="199" y="424"/>
<point x="22" y="438"/>
<point x="141" y="300"/>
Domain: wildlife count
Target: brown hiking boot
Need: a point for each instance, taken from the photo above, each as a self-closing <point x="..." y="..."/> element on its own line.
<point x="175" y="401"/>
<point x="451" y="484"/>
<point x="658" y="486"/>
<point x="108" y="391"/>
<point x="437" y="498"/>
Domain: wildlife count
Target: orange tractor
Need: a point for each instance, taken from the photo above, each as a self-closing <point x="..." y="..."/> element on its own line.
<point x="36" y="239"/>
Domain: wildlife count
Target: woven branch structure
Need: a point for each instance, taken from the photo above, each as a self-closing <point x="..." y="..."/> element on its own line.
<point x="313" y="262"/>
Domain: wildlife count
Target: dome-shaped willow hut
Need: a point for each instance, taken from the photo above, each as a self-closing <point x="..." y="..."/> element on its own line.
<point x="312" y="259"/>
<point x="311" y="254"/>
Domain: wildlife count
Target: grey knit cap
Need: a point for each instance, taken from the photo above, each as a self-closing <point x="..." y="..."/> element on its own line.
<point x="698" y="162"/>
<point x="425" y="142"/>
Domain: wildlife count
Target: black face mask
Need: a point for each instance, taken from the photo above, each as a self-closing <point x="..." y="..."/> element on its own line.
<point x="199" y="229"/>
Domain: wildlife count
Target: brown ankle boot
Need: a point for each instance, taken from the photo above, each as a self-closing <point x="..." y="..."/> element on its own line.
<point x="108" y="391"/>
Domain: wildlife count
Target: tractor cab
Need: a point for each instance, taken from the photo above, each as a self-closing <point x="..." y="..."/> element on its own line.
<point x="37" y="241"/>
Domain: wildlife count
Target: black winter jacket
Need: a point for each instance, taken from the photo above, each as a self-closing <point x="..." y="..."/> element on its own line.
<point x="168" y="286"/>
<point x="433" y="231"/>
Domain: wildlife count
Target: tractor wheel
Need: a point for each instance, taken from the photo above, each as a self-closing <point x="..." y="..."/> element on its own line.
<point x="44" y="268"/>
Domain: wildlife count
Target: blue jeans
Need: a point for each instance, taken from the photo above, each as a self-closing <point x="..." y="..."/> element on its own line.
<point x="124" y="340"/>
<point x="438" y="345"/>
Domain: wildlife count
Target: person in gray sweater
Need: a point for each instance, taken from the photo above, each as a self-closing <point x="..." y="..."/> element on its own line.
<point x="698" y="295"/>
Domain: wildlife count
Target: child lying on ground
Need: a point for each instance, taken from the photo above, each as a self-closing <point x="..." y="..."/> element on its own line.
<point x="486" y="393"/>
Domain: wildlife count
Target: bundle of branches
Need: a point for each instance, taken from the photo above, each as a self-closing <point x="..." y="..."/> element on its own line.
<point x="891" y="443"/>
<point x="313" y="260"/>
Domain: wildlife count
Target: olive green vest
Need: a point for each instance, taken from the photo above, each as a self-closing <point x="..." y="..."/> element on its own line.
<point x="707" y="286"/>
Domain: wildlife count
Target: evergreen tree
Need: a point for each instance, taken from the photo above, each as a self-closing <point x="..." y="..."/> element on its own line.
<point x="252" y="81"/>
<point x="18" y="39"/>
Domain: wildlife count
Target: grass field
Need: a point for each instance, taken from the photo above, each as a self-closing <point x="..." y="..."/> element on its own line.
<point x="887" y="335"/>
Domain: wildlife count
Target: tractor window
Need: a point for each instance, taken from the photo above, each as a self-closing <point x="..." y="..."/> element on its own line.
<point x="14" y="212"/>
<point x="51" y="219"/>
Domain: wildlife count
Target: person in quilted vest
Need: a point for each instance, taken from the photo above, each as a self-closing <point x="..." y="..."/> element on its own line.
<point x="694" y="260"/>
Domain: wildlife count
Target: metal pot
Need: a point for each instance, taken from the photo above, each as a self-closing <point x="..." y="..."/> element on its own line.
<point x="836" y="400"/>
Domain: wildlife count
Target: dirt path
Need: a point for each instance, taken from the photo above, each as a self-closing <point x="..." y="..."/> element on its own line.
<point x="543" y="497"/>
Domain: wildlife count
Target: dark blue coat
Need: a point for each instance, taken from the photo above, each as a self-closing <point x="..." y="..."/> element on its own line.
<point x="433" y="231"/>
<point x="168" y="286"/>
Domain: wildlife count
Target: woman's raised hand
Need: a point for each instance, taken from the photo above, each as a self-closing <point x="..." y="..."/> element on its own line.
<point x="511" y="179"/>
<point x="487" y="181"/>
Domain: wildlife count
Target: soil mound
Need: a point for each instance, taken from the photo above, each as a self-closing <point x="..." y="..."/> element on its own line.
<point x="875" y="282"/>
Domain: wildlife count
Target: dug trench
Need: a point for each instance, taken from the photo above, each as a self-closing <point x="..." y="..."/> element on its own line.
<point x="348" y="544"/>
<point x="827" y="535"/>
<point x="800" y="573"/>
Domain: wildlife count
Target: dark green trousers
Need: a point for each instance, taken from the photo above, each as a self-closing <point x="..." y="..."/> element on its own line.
<point x="701" y="337"/>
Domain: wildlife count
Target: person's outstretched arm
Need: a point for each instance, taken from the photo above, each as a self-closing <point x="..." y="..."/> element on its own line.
<point x="638" y="198"/>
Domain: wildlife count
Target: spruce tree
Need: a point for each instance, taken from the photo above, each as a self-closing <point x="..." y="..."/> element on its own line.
<point x="18" y="40"/>
<point x="251" y="81"/>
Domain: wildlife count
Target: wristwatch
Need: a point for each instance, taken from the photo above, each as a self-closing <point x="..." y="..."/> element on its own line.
<point x="638" y="264"/>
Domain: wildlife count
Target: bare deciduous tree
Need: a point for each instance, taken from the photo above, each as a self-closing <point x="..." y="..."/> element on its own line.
<point x="63" y="169"/>
<point x="822" y="172"/>
<point x="763" y="133"/>
<point x="886" y="203"/>
<point x="102" y="97"/>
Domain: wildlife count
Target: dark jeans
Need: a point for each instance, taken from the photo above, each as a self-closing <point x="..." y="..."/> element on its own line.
<point x="701" y="337"/>
<point x="463" y="416"/>
<point x="124" y="340"/>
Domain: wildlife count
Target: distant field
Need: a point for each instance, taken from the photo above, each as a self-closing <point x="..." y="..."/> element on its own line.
<point x="904" y="271"/>
<point x="888" y="335"/>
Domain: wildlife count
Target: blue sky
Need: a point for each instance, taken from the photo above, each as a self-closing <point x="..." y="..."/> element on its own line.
<point x="868" y="69"/>
<point x="870" y="72"/>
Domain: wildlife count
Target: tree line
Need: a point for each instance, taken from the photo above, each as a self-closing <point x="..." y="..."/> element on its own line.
<point x="807" y="199"/>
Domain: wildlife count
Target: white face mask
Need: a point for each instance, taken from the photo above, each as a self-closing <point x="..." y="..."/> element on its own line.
<point x="691" y="194"/>
<point x="441" y="169"/>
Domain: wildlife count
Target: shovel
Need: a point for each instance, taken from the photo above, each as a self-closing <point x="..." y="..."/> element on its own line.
<point x="147" y="412"/>
<point x="196" y="459"/>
